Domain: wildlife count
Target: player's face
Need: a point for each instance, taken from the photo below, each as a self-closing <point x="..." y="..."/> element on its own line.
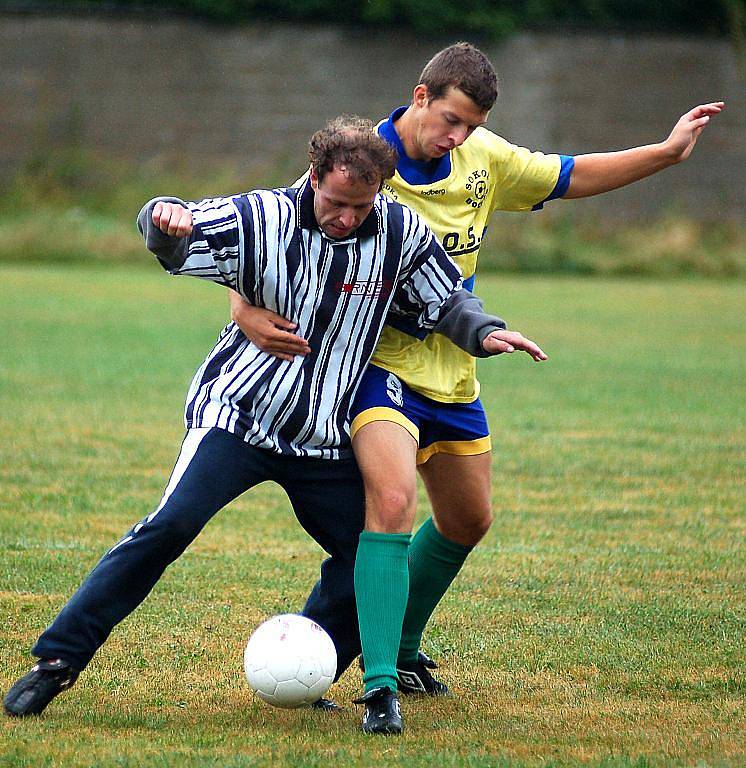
<point x="445" y="123"/>
<point x="341" y="202"/>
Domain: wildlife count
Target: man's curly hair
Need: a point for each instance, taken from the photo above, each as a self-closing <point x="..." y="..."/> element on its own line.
<point x="352" y="142"/>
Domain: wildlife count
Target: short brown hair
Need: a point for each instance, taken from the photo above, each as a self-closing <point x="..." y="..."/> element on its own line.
<point x="352" y="141"/>
<point x="465" y="67"/>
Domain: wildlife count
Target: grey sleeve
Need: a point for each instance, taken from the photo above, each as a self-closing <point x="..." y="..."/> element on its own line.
<point x="172" y="252"/>
<point x="464" y="321"/>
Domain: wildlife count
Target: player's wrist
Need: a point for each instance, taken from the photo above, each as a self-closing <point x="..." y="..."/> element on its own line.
<point x="668" y="152"/>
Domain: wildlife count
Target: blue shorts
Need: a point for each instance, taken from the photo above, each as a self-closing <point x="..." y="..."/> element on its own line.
<point x="458" y="429"/>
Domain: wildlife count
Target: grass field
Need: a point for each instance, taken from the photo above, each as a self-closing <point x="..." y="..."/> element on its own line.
<point x="602" y="621"/>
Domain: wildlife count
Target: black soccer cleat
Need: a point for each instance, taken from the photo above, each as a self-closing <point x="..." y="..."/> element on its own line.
<point x="382" y="712"/>
<point x="416" y="678"/>
<point x="327" y="705"/>
<point x="30" y="694"/>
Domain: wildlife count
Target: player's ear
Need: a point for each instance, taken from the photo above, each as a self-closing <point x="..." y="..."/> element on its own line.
<point x="420" y="96"/>
<point x="314" y="179"/>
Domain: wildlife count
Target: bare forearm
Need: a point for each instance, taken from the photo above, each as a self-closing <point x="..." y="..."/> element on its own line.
<point x="603" y="171"/>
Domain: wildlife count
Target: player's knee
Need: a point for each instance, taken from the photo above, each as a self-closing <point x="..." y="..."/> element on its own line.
<point x="390" y="510"/>
<point x="481" y="526"/>
<point x="182" y="532"/>
<point x="391" y="502"/>
<point x="467" y="531"/>
<point x="175" y="529"/>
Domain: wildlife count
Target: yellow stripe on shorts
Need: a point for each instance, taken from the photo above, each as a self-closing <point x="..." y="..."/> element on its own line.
<point x="381" y="413"/>
<point x="455" y="448"/>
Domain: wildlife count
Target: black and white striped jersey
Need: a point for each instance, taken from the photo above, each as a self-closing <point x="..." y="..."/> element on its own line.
<point x="267" y="246"/>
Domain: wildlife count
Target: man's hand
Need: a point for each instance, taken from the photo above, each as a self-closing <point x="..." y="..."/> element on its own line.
<point x="267" y="330"/>
<point x="509" y="341"/>
<point x="173" y="219"/>
<point x="686" y="131"/>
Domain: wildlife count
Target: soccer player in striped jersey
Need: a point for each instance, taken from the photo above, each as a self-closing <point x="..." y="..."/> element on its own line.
<point x="418" y="405"/>
<point x="337" y="257"/>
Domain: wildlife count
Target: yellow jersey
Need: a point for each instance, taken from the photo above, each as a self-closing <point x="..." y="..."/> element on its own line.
<point x="455" y="195"/>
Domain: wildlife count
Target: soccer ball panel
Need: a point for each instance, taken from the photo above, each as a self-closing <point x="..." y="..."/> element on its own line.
<point x="291" y="693"/>
<point x="262" y="680"/>
<point x="270" y="699"/>
<point x="284" y="666"/>
<point x="309" y="671"/>
<point x="319" y="688"/>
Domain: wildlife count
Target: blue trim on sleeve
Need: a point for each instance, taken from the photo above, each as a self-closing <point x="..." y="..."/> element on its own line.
<point x="563" y="181"/>
<point x="469" y="283"/>
<point x="419" y="172"/>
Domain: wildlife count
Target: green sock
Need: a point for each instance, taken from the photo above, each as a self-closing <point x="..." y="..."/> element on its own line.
<point x="434" y="562"/>
<point x="381" y="588"/>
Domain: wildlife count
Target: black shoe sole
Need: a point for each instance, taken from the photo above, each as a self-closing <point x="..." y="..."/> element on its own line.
<point x="390" y="730"/>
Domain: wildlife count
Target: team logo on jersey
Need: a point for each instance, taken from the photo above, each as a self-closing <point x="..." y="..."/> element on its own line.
<point x="394" y="390"/>
<point x="370" y="289"/>
<point x="389" y="191"/>
<point x="477" y="187"/>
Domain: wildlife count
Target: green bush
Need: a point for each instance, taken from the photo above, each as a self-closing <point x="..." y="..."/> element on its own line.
<point x="670" y="245"/>
<point x="493" y="18"/>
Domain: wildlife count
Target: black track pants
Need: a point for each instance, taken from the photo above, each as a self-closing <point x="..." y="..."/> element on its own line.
<point x="213" y="468"/>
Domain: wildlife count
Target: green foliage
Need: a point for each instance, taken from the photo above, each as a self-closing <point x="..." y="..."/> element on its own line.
<point x="667" y="246"/>
<point x="652" y="15"/>
<point x="490" y="18"/>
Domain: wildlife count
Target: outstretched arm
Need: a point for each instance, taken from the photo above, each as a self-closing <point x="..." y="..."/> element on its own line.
<point x="604" y="171"/>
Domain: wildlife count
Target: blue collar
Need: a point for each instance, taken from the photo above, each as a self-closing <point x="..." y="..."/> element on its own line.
<point x="413" y="171"/>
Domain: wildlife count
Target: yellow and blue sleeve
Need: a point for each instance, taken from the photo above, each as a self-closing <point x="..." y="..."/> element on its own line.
<point x="567" y="163"/>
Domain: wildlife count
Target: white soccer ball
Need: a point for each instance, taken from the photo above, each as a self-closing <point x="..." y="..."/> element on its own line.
<point x="290" y="661"/>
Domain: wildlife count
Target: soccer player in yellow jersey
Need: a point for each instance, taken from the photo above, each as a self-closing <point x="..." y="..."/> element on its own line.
<point x="418" y="407"/>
